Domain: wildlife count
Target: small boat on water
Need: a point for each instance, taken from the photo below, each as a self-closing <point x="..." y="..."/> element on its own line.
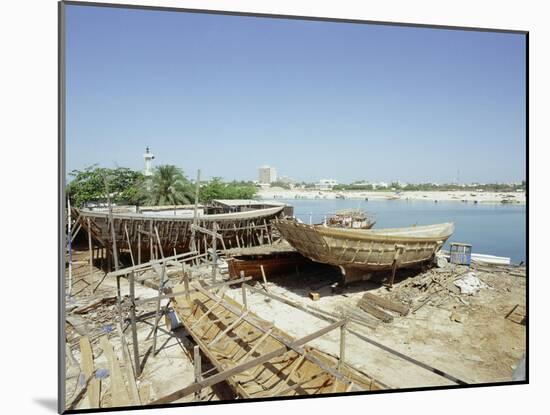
<point x="351" y="219"/>
<point x="358" y="252"/>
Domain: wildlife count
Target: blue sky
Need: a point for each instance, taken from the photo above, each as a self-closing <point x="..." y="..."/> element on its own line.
<point x="314" y="99"/>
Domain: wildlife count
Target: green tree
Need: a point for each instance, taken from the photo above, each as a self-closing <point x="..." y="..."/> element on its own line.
<point x="217" y="189"/>
<point x="168" y="186"/>
<point x="88" y="185"/>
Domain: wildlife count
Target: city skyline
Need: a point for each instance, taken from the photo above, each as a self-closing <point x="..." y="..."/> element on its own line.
<point x="228" y="94"/>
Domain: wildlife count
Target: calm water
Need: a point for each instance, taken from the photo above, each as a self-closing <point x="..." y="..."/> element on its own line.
<point x="493" y="229"/>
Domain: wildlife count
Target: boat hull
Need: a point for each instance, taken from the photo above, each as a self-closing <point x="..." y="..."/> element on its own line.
<point x="360" y="252"/>
<point x="276" y="264"/>
<point x="143" y="233"/>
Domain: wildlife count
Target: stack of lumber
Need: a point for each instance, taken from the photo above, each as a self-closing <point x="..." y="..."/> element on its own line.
<point x="378" y="307"/>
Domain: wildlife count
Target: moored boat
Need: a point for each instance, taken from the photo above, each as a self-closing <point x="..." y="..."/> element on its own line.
<point x="350" y="218"/>
<point x="358" y="252"/>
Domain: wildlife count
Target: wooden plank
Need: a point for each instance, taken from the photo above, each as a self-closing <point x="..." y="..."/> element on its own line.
<point x="87" y="364"/>
<point x="375" y="311"/>
<point x="386" y="303"/>
<point x="130" y="377"/>
<point x="119" y="393"/>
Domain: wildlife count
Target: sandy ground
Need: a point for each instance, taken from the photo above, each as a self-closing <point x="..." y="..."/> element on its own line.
<point x="468" y="196"/>
<point x="483" y="347"/>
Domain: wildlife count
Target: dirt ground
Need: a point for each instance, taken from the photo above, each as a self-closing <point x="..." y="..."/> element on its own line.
<point x="466" y="336"/>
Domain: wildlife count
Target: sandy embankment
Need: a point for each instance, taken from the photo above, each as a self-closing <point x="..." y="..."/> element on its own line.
<point x="443" y="196"/>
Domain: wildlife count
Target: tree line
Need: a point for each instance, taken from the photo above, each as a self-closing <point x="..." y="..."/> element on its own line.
<point x="167" y="186"/>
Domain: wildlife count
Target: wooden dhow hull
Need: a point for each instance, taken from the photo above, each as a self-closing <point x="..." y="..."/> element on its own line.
<point x="358" y="252"/>
<point x="139" y="231"/>
<point x="230" y="335"/>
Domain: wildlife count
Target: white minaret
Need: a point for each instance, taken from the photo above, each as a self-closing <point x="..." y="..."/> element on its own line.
<point x="148" y="157"/>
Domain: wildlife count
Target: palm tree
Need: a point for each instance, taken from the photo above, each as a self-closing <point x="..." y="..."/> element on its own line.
<point x="169" y="186"/>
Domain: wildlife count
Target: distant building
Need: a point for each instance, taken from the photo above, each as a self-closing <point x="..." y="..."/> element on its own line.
<point x="326" y="184"/>
<point x="148" y="157"/>
<point x="267" y="175"/>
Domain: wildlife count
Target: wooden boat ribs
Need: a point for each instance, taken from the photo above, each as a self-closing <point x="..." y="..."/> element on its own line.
<point x="132" y="230"/>
<point x="257" y="359"/>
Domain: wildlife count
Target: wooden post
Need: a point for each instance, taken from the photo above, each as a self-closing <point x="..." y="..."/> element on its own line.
<point x="341" y="361"/>
<point x="263" y="277"/>
<point x="237" y="236"/>
<point x="91" y="249"/>
<point x="133" y="323"/>
<point x="139" y="245"/>
<point x="157" y="319"/>
<point x="112" y="221"/>
<point x="129" y="245"/>
<point x="198" y="370"/>
<point x="186" y="283"/>
<point x="151" y="240"/>
<point x="159" y="244"/>
<point x="399" y="248"/>
<point x="243" y="290"/>
<point x="267" y="233"/>
<point x="70" y="249"/>
<point x="214" y="252"/>
<point x="195" y="211"/>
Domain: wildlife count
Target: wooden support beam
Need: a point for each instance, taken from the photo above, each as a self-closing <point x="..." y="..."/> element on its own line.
<point x="73" y="235"/>
<point x="159" y="244"/>
<point x="90" y="248"/>
<point x="198" y="369"/>
<point x="129" y="245"/>
<point x="263" y="277"/>
<point x="342" y="357"/>
<point x="157" y="319"/>
<point x="139" y="245"/>
<point x="133" y="325"/>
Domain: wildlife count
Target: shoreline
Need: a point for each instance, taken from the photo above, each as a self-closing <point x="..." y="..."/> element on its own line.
<point x="513" y="198"/>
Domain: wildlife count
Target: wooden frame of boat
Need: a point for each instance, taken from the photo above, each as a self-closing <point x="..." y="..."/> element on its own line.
<point x="134" y="231"/>
<point x="255" y="358"/>
<point x="359" y="251"/>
